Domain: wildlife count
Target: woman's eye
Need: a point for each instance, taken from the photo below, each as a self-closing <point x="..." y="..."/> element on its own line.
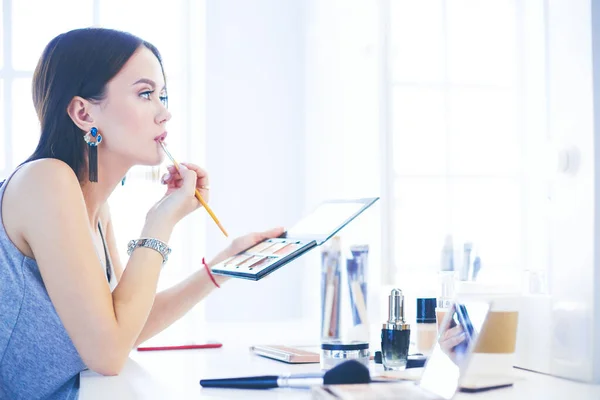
<point x="164" y="100"/>
<point x="146" y="94"/>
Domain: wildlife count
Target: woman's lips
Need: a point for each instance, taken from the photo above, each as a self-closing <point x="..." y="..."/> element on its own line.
<point x="161" y="137"/>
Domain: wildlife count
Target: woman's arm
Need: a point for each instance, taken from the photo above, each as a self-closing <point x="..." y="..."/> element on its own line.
<point x="173" y="303"/>
<point x="49" y="212"/>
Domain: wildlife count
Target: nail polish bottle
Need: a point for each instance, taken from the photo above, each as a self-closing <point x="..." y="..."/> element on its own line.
<point x="395" y="335"/>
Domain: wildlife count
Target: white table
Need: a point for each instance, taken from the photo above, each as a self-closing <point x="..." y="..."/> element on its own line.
<point x="176" y="375"/>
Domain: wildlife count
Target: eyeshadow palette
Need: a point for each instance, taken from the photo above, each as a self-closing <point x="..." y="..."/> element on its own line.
<point x="318" y="227"/>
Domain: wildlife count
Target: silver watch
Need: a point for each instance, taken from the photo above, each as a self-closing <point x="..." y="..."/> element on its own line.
<point x="150" y="243"/>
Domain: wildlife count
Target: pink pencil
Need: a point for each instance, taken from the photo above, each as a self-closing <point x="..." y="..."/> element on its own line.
<point x="182" y="347"/>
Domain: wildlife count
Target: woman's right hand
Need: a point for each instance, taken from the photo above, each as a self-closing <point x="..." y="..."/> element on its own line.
<point x="179" y="200"/>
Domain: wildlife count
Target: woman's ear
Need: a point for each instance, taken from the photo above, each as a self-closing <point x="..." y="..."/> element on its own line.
<point x="79" y="111"/>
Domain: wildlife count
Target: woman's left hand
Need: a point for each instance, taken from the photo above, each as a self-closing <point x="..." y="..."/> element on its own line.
<point x="173" y="180"/>
<point x="245" y="242"/>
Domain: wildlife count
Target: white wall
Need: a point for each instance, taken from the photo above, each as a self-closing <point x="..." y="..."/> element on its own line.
<point x="571" y="123"/>
<point x="255" y="143"/>
<point x="342" y="122"/>
<point x="300" y="77"/>
<point x="563" y="328"/>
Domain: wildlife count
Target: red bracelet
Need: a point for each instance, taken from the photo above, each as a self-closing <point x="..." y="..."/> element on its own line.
<point x="210" y="274"/>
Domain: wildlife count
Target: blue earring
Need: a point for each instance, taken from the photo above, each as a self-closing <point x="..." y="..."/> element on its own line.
<point x="123" y="180"/>
<point x="93" y="139"/>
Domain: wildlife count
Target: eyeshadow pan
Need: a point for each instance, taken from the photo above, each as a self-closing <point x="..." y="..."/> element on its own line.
<point x="284" y="251"/>
<point x="263" y="263"/>
<point x="249" y="262"/>
<point x="259" y="247"/>
<point x="272" y="244"/>
<point x="275" y="248"/>
<point x="237" y="259"/>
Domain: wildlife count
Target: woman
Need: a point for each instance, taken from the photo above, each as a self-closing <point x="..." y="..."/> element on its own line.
<point x="66" y="302"/>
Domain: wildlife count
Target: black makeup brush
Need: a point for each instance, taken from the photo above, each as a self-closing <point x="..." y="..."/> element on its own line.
<point x="348" y="372"/>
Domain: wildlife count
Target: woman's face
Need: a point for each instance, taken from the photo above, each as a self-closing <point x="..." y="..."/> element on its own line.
<point x="134" y="111"/>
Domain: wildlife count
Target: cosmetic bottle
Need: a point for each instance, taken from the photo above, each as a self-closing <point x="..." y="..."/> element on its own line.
<point x="426" y="328"/>
<point x="344" y="316"/>
<point x="395" y="335"/>
<point x="465" y="271"/>
<point x="445" y="295"/>
<point x="447" y="256"/>
<point x="331" y="276"/>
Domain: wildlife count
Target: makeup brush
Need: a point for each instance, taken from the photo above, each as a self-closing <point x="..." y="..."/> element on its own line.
<point x="198" y="196"/>
<point x="349" y="372"/>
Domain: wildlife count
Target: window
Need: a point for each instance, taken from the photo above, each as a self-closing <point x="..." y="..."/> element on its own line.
<point x="175" y="28"/>
<point x="460" y="153"/>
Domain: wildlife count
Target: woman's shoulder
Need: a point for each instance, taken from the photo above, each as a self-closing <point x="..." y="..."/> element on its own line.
<point x="35" y="190"/>
<point x="40" y="180"/>
<point x="45" y="167"/>
<point x="35" y="175"/>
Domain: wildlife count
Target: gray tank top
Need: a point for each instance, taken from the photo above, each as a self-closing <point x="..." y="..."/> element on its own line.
<point x="37" y="357"/>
